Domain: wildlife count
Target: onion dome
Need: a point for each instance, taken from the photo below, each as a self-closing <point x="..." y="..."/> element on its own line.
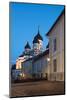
<point x="37" y="38"/>
<point x="27" y="46"/>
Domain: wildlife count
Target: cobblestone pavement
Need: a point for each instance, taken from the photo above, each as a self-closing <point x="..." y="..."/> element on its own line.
<point x="37" y="88"/>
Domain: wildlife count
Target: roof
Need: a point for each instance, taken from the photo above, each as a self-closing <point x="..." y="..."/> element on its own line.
<point x="63" y="11"/>
<point x="41" y="54"/>
<point x="38" y="56"/>
<point x="37" y="38"/>
<point x="29" y="59"/>
<point x="21" y="55"/>
<point x="27" y="46"/>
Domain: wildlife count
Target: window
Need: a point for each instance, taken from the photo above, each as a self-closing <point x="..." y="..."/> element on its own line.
<point x="55" y="43"/>
<point x="55" y="65"/>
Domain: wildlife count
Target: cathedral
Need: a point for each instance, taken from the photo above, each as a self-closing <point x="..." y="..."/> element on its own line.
<point x="31" y="62"/>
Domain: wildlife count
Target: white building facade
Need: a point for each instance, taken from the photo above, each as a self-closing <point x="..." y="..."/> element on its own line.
<point x="56" y="49"/>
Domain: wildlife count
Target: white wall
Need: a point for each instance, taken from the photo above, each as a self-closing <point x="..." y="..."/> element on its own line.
<point x="58" y="33"/>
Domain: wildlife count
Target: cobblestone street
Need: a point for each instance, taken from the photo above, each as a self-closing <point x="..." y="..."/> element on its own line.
<point x="37" y="88"/>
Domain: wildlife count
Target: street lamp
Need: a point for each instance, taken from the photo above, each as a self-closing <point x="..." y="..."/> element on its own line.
<point x="48" y="59"/>
<point x="22" y="75"/>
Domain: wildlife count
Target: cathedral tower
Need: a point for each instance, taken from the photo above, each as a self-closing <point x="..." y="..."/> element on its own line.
<point x="27" y="48"/>
<point x="37" y="43"/>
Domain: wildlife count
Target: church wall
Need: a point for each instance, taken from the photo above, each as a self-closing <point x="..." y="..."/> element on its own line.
<point x="27" y="68"/>
<point x="41" y="66"/>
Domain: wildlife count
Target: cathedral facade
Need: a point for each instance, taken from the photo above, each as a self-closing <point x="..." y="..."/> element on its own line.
<point x="33" y="61"/>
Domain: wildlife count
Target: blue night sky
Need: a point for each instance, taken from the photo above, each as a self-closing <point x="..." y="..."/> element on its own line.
<point x="24" y="22"/>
